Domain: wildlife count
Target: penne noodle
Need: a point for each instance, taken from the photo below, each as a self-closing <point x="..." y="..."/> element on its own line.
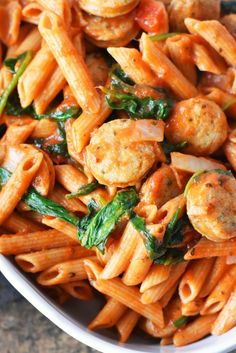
<point x="64" y="272"/>
<point x="60" y="7"/>
<point x="166" y="70"/>
<point x="208" y="248"/>
<point x="108" y="315"/>
<point x="157" y="292"/>
<point x="31" y="12"/>
<point x="19" y="132"/>
<point x="194" y="331"/>
<point x="164" y="301"/>
<point x="226" y="318"/>
<point x="51" y="88"/>
<point x="128" y="296"/>
<point x="31" y="42"/>
<point x="33" y="79"/>
<point x="72" y="64"/>
<point x="86" y="124"/>
<point x="219" y="268"/>
<point x="216" y="35"/>
<point x="156" y="275"/>
<point x="41" y="260"/>
<point x="74" y="205"/>
<point x="61" y="226"/>
<point x="206" y="59"/>
<point x="72" y="179"/>
<point x="221" y="292"/>
<point x="16" y="223"/>
<point x="126" y="325"/>
<point x="181" y="53"/>
<point x="139" y="266"/>
<point x="222" y="98"/>
<point x="133" y="65"/>
<point x="19" y="182"/>
<point x="20" y="243"/>
<point x="193" y="164"/>
<point x="193" y="307"/>
<point x="10" y="26"/>
<point x="79" y="290"/>
<point x="194" y="278"/>
<point x="120" y="259"/>
<point x="44" y="128"/>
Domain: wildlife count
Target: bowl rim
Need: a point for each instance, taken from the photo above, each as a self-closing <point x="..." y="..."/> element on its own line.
<point x="78" y="331"/>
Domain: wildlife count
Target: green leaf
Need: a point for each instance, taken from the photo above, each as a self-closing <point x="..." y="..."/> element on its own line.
<point x="227" y="105"/>
<point x="161" y="251"/>
<point x="139" y="108"/>
<point x="61" y="115"/>
<point x="117" y="71"/>
<point x="10" y="63"/>
<point x="25" y="60"/>
<point x="181" y="321"/>
<point x="41" y="204"/>
<point x="96" y="231"/>
<point x="84" y="190"/>
<point x="169" y="147"/>
<point x="13" y="106"/>
<point x="163" y="36"/>
<point x="228" y="6"/>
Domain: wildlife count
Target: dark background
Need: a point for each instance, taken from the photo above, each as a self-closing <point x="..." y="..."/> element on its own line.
<point x="23" y="329"/>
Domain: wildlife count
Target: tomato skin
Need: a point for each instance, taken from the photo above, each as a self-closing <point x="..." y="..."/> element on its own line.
<point x="152" y="17"/>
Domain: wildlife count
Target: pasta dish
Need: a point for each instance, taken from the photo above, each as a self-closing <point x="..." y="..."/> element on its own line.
<point x="118" y="159"/>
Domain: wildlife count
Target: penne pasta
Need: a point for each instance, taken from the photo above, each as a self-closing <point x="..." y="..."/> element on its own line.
<point x="109" y="315"/>
<point x="133" y="65"/>
<point x="157" y="292"/>
<point x="126" y="324"/>
<point x="10" y="26"/>
<point x="79" y="290"/>
<point x="20" y="243"/>
<point x="128" y="296"/>
<point x="33" y="79"/>
<point x="194" y="331"/>
<point x="221" y="292"/>
<point x="216" y="35"/>
<point x="139" y="266"/>
<point x="156" y="275"/>
<point x="166" y="70"/>
<point x="76" y="72"/>
<point x="194" y="278"/>
<point x="208" y="248"/>
<point x="19" y="182"/>
<point x="193" y="307"/>
<point x="16" y="223"/>
<point x="61" y="226"/>
<point x="64" y="272"/>
<point x="226" y="318"/>
<point x="41" y="260"/>
<point x="219" y="268"/>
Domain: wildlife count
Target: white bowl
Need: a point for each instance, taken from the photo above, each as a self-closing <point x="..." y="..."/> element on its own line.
<point x="75" y="315"/>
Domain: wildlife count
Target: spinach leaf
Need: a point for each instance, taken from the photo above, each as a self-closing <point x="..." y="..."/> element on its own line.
<point x="117" y="71"/>
<point x="84" y="190"/>
<point x="41" y="204"/>
<point x="25" y="60"/>
<point x="56" y="148"/>
<point x="162" y="36"/>
<point x="169" y="147"/>
<point x="139" y="108"/>
<point x="96" y="231"/>
<point x="228" y="6"/>
<point x="161" y="251"/>
<point x="182" y="320"/>
<point x="13" y="107"/>
<point x="92" y="210"/>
